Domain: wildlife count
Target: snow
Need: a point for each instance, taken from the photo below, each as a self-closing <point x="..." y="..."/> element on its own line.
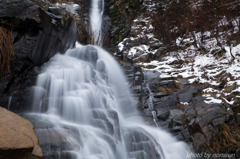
<point x="70" y="7"/>
<point x="184" y="103"/>
<point x="120" y="46"/>
<point x="204" y="69"/>
<point x="211" y="100"/>
<point x="235" y="51"/>
<point x="209" y="68"/>
<point x="142" y="29"/>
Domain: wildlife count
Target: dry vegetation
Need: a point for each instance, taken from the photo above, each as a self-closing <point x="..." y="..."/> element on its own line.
<point x="6" y="51"/>
<point x="182" y="18"/>
<point x="165" y="90"/>
<point x="225" y="139"/>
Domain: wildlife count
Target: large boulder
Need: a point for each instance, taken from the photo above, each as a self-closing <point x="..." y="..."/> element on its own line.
<point x="17" y="137"/>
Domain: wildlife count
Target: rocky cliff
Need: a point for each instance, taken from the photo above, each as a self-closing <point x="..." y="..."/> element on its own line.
<point x="35" y="35"/>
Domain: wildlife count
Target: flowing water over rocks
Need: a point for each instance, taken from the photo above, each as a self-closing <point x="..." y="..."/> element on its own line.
<point x="84" y="109"/>
<point x="96" y="21"/>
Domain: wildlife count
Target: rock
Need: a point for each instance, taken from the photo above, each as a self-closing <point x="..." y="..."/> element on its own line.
<point x="161" y="52"/>
<point x="53" y="140"/>
<point x="136" y="140"/>
<point x="163" y="114"/>
<point x="38" y="35"/>
<point x="160" y="94"/>
<point x="238" y="119"/>
<point x="198" y="140"/>
<point x="155" y="45"/>
<point x="17" y="137"/>
<point x="150" y="75"/>
<point x="57" y="11"/>
<point x="185" y="97"/>
<point x="185" y="134"/>
<point x="238" y="153"/>
<point x="166" y="102"/>
<point x="193" y="126"/>
<point x="143" y="57"/>
<point x="21" y="10"/>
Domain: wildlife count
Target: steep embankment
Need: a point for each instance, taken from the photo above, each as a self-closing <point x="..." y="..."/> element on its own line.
<point x="189" y="51"/>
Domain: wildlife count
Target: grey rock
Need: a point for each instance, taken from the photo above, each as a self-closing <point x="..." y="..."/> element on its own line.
<point x="39" y="35"/>
<point x="238" y="153"/>
<point x="185" y="97"/>
<point x="163" y="114"/>
<point x="198" y="140"/>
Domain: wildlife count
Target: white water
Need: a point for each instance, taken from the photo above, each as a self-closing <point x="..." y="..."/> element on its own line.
<point x="85" y="110"/>
<point x="86" y="97"/>
<point x="96" y="15"/>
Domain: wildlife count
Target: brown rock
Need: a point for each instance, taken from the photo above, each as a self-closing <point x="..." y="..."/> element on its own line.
<point x="17" y="137"/>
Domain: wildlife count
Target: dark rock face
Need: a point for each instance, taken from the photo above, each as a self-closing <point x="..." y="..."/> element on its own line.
<point x="38" y="35"/>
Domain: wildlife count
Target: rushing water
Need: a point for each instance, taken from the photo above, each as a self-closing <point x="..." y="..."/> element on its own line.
<point x="83" y="108"/>
<point x="85" y="96"/>
<point x="96" y="14"/>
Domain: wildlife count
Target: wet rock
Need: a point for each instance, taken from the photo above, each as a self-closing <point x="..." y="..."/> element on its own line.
<point x="17" y="137"/>
<point x="138" y="144"/>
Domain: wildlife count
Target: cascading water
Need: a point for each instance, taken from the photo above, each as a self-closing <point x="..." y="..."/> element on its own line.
<point x="83" y="109"/>
<point x="96" y="14"/>
<point x="85" y="96"/>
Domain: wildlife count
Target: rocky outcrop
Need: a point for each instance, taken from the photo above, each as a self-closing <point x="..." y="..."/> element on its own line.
<point x="38" y="34"/>
<point x="181" y="109"/>
<point x="17" y="137"/>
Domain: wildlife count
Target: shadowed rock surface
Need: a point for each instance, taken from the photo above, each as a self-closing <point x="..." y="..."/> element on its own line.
<point x="38" y="35"/>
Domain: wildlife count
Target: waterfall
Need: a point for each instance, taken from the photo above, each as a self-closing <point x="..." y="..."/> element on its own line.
<point x="85" y="96"/>
<point x="83" y="109"/>
<point x="96" y="15"/>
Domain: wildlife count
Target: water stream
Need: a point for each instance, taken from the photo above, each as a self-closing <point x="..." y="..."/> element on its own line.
<point x="83" y="109"/>
<point x="96" y="16"/>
